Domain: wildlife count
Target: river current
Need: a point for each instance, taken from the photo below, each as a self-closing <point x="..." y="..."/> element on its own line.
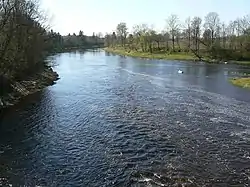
<point x="120" y="121"/>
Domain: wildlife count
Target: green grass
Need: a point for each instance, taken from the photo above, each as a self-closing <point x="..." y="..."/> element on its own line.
<point x="174" y="56"/>
<point x="169" y="56"/>
<point x="243" y="63"/>
<point x="241" y="82"/>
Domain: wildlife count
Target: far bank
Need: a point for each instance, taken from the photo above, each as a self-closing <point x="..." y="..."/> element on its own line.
<point x="165" y="56"/>
<point x="184" y="56"/>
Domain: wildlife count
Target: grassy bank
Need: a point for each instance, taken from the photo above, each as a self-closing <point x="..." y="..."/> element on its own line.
<point x="241" y="82"/>
<point x="173" y="56"/>
<point x="247" y="63"/>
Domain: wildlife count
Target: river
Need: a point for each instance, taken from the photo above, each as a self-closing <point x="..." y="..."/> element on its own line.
<point x="120" y="121"/>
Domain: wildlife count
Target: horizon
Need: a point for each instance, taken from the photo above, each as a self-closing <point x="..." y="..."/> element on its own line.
<point x="107" y="15"/>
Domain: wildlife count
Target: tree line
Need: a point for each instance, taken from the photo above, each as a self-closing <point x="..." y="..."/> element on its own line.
<point x="208" y="37"/>
<point x="60" y="43"/>
<point x="26" y="39"/>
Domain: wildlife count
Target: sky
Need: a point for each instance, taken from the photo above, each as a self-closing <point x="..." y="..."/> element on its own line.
<point x="68" y="16"/>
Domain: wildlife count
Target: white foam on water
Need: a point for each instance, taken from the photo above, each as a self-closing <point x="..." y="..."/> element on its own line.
<point x="142" y="74"/>
<point x="158" y="176"/>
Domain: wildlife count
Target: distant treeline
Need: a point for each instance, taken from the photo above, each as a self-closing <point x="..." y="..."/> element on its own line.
<point x="208" y="38"/>
<point x="59" y="42"/>
<point x="26" y="39"/>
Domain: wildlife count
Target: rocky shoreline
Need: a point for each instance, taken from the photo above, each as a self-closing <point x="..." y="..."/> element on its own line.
<point x="13" y="91"/>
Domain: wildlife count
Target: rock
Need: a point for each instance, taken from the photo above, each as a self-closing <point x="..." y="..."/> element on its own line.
<point x="14" y="90"/>
<point x="1" y="102"/>
<point x="9" y="104"/>
<point x="20" y="88"/>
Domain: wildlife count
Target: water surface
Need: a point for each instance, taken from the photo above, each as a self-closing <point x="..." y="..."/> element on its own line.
<point x="121" y="121"/>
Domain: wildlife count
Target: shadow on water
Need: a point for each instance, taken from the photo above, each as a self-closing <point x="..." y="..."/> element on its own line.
<point x="20" y="131"/>
<point x="112" y="54"/>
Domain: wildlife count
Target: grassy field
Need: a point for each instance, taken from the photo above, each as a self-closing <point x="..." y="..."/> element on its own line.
<point x="174" y="56"/>
<point x="241" y="82"/>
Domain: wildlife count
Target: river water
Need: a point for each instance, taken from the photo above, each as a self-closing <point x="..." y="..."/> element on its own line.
<point x="121" y="121"/>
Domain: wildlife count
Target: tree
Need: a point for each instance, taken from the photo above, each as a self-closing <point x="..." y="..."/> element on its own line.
<point x="113" y="38"/>
<point x="231" y="34"/>
<point x="223" y="34"/>
<point x="173" y="27"/>
<point x="212" y="21"/>
<point x="108" y="39"/>
<point x="166" y="38"/>
<point x="121" y="30"/>
<point x="151" y="38"/>
<point x="196" y="32"/>
<point x="187" y="31"/>
<point x="141" y="33"/>
<point x="80" y="33"/>
<point x="82" y="39"/>
<point x="158" y="38"/>
<point x="130" y="41"/>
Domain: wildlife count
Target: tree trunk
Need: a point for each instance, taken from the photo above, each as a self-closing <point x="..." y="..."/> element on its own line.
<point x="189" y="40"/>
<point x="150" y="47"/>
<point x="158" y="45"/>
<point x="173" y="42"/>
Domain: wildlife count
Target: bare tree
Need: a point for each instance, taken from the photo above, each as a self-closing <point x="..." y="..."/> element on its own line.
<point x="239" y="31"/>
<point x="166" y="38"/>
<point x="196" y="32"/>
<point x="114" y="39"/>
<point x="108" y="40"/>
<point x="173" y="27"/>
<point x="223" y="34"/>
<point x="141" y="32"/>
<point x="121" y="30"/>
<point x="212" y="22"/>
<point x="245" y="24"/>
<point x="158" y="38"/>
<point x="187" y="30"/>
<point x="231" y="34"/>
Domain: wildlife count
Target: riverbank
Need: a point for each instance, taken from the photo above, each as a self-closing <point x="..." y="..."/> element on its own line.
<point x="165" y="56"/>
<point x="174" y="56"/>
<point x="13" y="91"/>
<point x="241" y="82"/>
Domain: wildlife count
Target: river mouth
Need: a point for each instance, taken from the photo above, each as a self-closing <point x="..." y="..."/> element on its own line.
<point x="117" y="121"/>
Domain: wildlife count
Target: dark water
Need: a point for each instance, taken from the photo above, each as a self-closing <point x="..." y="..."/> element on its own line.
<point x="116" y="121"/>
